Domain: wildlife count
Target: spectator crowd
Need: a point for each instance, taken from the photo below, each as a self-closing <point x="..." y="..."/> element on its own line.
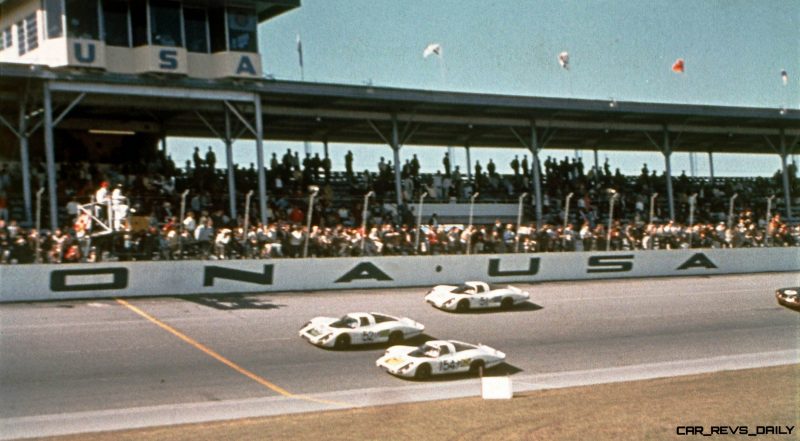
<point x="155" y="229"/>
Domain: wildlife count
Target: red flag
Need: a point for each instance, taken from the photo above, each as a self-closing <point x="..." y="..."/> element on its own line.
<point x="677" y="66"/>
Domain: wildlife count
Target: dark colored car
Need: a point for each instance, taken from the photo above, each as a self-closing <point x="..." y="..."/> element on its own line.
<point x="789" y="297"/>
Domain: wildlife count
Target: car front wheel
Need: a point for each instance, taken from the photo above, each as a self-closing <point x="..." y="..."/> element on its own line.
<point x="423" y="372"/>
<point x="342" y="342"/>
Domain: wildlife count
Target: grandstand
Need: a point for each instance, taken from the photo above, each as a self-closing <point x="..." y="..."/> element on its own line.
<point x="75" y="88"/>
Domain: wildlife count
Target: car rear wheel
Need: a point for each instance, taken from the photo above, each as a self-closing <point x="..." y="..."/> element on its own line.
<point x="395" y="338"/>
<point x="423" y="372"/>
<point x="463" y="306"/>
<point x="507" y="303"/>
<point x="342" y="342"/>
<point x="476" y="366"/>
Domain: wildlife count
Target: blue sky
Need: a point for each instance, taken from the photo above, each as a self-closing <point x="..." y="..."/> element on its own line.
<point x="734" y="52"/>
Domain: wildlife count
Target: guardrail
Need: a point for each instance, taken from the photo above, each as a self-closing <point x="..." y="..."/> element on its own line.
<point x="112" y="279"/>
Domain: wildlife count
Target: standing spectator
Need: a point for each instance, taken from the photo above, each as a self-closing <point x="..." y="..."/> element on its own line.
<point x="101" y="198"/>
<point x="446" y="163"/>
<point x="414" y="166"/>
<point x="198" y="161"/>
<point x="316" y="164"/>
<point x="515" y="165"/>
<point x="348" y="165"/>
<point x="490" y="168"/>
<point x="211" y="160"/>
<point x="586" y="237"/>
<point x="273" y="163"/>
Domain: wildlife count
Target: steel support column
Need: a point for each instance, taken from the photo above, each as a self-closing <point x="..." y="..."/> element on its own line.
<point x="229" y="158"/>
<point x="666" y="150"/>
<point x="787" y="197"/>
<point x="537" y="184"/>
<point x="262" y="178"/>
<point x="711" y="166"/>
<point x="396" y="149"/>
<point x="24" y="155"/>
<point x="49" y="150"/>
<point x="469" y="164"/>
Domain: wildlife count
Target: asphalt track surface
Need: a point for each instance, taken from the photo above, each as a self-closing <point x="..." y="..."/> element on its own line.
<point x="78" y="366"/>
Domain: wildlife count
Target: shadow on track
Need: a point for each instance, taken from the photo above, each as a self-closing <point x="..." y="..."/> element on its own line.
<point x="527" y="306"/>
<point x="500" y="370"/>
<point x="413" y="341"/>
<point x="232" y="302"/>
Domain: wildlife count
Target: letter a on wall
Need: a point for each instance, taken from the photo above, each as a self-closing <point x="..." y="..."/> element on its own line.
<point x="698" y="260"/>
<point x="364" y="271"/>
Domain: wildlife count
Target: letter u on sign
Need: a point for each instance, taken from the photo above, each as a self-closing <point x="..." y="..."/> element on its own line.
<point x="89" y="56"/>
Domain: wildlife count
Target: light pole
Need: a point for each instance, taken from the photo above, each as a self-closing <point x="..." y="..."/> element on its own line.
<point x="652" y="206"/>
<point x="692" y="202"/>
<point x="469" y="227"/>
<point x="730" y="210"/>
<point x="566" y="218"/>
<point x="39" y="224"/>
<point x="314" y="190"/>
<point x="519" y="219"/>
<point x="182" y="227"/>
<point x="419" y="221"/>
<point x="364" y="219"/>
<point x="769" y="218"/>
<point x="611" y="201"/>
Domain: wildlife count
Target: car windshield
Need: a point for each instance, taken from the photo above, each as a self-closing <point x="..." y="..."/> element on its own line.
<point x="464" y="289"/>
<point x="345" y="322"/>
<point x="426" y="351"/>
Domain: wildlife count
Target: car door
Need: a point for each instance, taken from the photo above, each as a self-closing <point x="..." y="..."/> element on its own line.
<point x="479" y="299"/>
<point x="446" y="362"/>
<point x="366" y="333"/>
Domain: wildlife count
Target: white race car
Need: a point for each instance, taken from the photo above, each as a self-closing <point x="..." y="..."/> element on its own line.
<point x="475" y="295"/>
<point x="359" y="328"/>
<point x="438" y="357"/>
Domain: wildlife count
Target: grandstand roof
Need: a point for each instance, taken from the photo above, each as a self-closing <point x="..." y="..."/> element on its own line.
<point x="266" y="9"/>
<point x="363" y="114"/>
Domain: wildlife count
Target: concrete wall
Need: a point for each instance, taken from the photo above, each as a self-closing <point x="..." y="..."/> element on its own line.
<point x="49" y="282"/>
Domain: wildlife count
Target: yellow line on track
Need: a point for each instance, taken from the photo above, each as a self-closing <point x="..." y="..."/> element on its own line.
<point x="211" y="353"/>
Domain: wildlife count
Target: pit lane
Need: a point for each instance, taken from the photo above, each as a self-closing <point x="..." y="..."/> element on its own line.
<point x="75" y="366"/>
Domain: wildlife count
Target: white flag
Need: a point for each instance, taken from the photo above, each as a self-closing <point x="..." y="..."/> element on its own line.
<point x="432" y="49"/>
<point x="563" y="60"/>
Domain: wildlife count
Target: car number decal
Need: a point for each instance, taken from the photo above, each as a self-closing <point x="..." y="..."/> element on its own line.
<point x="368" y="336"/>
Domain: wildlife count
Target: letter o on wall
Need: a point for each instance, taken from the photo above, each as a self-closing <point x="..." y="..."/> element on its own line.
<point x="119" y="279"/>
